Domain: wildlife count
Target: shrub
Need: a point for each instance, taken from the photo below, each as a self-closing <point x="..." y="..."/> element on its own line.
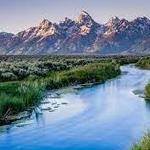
<point x="19" y="95"/>
<point x="8" y="76"/>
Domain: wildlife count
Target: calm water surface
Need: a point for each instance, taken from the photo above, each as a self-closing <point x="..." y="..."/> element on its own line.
<point x="104" y="117"/>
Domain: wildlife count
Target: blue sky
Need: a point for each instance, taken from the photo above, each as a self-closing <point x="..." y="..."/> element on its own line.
<point x="16" y="15"/>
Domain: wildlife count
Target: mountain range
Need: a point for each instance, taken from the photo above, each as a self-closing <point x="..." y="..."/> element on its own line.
<point x="80" y="36"/>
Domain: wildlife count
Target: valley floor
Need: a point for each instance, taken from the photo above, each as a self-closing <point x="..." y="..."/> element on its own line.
<point x="29" y="85"/>
<point x="24" y="83"/>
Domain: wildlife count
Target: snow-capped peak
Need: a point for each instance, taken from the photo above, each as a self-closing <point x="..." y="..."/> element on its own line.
<point x="85" y="19"/>
<point x="46" y="28"/>
<point x="45" y="23"/>
<point x="113" y="21"/>
<point x="81" y="35"/>
<point x="83" y="12"/>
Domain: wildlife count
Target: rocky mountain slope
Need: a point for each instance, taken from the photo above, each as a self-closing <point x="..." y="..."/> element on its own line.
<point x="82" y="35"/>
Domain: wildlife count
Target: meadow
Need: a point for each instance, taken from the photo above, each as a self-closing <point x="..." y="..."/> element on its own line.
<point x="24" y="80"/>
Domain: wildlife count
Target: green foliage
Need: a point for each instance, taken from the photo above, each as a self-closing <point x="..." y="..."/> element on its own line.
<point x="144" y="63"/>
<point x="91" y="73"/>
<point x="31" y="75"/>
<point x="97" y="72"/>
<point x="8" y="76"/>
<point x="19" y="95"/>
<point x="147" y="91"/>
<point x="13" y="68"/>
<point x="144" y="144"/>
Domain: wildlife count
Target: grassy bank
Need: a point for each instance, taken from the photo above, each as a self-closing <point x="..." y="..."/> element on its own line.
<point x="91" y="73"/>
<point x="147" y="91"/>
<point x="17" y="96"/>
<point x="144" y="63"/>
<point x="144" y="144"/>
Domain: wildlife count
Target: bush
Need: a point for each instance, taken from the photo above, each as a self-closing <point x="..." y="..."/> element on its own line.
<point x="8" y="76"/>
<point x="19" y="95"/>
<point x="96" y="72"/>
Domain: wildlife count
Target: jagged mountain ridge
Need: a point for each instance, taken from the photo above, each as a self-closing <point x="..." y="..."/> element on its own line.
<point x="82" y="35"/>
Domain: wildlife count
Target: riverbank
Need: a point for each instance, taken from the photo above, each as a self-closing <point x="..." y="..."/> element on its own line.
<point x="144" y="143"/>
<point x="91" y="115"/>
<point x="147" y="92"/>
<point x="19" y="96"/>
<point x="144" y="63"/>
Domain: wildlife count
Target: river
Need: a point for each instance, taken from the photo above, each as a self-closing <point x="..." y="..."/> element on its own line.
<point x="108" y="116"/>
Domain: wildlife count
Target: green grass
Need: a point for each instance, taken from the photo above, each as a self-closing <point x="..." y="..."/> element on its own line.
<point x="96" y="72"/>
<point x="144" y="63"/>
<point x="17" y="97"/>
<point x="20" y="95"/>
<point x="144" y="144"/>
<point x="147" y="91"/>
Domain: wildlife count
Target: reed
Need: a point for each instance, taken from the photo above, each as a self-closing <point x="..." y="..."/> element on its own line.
<point x="144" y="144"/>
<point x="19" y="95"/>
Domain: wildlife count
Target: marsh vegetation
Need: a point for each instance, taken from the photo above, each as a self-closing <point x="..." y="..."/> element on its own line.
<point x="24" y="81"/>
<point x="144" y="143"/>
<point x="144" y="63"/>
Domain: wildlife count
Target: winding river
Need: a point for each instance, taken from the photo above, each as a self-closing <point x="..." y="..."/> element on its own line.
<point x="108" y="116"/>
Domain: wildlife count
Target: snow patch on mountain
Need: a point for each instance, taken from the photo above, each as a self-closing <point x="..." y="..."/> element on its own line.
<point x="82" y="35"/>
